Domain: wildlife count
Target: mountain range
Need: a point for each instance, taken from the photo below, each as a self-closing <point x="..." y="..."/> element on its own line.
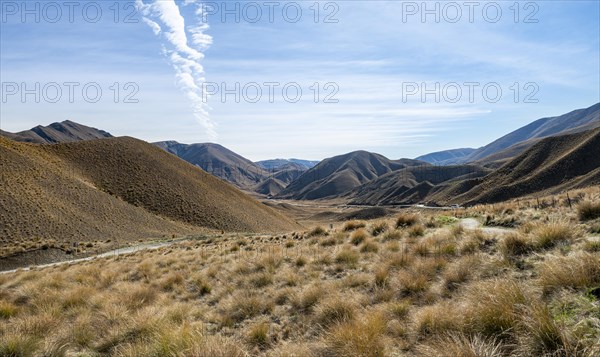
<point x="523" y="162"/>
<point x="66" y="131"/>
<point x="276" y="164"/>
<point x="339" y="174"/>
<point x="514" y="143"/>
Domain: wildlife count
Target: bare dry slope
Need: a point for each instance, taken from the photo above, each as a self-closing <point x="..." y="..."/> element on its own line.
<point x="146" y="176"/>
<point x="553" y="164"/>
<point x="337" y="175"/>
<point x="43" y="200"/>
<point x="412" y="184"/>
<point x="219" y="161"/>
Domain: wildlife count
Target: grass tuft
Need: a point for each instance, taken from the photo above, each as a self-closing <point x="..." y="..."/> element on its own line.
<point x="588" y="210"/>
<point x="406" y="220"/>
<point x="354" y="224"/>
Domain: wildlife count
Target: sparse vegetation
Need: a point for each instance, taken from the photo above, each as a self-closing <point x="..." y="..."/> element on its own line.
<point x="440" y="289"/>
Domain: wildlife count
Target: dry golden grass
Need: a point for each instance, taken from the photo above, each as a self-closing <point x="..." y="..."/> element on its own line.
<point x="444" y="291"/>
<point x="577" y="271"/>
<point x="354" y="224"/>
<point x="588" y="210"/>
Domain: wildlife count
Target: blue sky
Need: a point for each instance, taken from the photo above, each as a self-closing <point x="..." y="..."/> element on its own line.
<point x="375" y="56"/>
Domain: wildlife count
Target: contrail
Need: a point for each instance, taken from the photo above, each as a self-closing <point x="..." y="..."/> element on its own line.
<point x="166" y="21"/>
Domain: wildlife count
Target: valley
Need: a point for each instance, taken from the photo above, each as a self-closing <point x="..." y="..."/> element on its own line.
<point x="115" y="246"/>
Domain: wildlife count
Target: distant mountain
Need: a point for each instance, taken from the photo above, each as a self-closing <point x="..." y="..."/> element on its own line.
<point x="510" y="145"/>
<point x="64" y="132"/>
<point x="219" y="161"/>
<point x="551" y="165"/>
<point x="412" y="184"/>
<point x="447" y="157"/>
<point x="340" y="174"/>
<point x="269" y="187"/>
<point x="517" y="141"/>
<point x="277" y="164"/>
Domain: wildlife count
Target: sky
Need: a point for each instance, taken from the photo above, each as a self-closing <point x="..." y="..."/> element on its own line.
<point x="301" y="79"/>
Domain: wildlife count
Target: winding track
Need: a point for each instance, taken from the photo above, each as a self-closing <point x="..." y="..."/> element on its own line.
<point x="472" y="223"/>
<point x="466" y="223"/>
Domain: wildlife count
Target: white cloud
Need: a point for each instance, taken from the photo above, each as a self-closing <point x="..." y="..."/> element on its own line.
<point x="184" y="58"/>
<point x="153" y="25"/>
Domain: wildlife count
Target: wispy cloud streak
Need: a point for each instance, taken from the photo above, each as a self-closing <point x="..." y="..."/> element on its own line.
<point x="166" y="20"/>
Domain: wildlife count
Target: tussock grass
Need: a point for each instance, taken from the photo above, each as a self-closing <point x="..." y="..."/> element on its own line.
<point x="394" y="235"/>
<point x="317" y="231"/>
<point x="308" y="298"/>
<point x="7" y="309"/>
<point x="515" y="244"/>
<point x="245" y="306"/>
<point x="407" y="220"/>
<point x="258" y="335"/>
<point x="443" y="291"/>
<point x="493" y="307"/>
<point x="379" y="227"/>
<point x="369" y="247"/>
<point x="335" y="309"/>
<point x="347" y="256"/>
<point x="588" y="210"/>
<point x="12" y="344"/>
<point x="363" y="336"/>
<point x="460" y="272"/>
<point x="437" y="319"/>
<point x="577" y="271"/>
<point x="417" y="230"/>
<point x="354" y="224"/>
<point x="549" y="235"/>
<point x="358" y="236"/>
<point x="456" y="344"/>
<point x="542" y="335"/>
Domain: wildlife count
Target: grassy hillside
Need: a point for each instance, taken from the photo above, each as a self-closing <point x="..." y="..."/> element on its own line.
<point x="114" y="190"/>
<point x="572" y="122"/>
<point x="552" y="165"/>
<point x="219" y="161"/>
<point x="146" y="176"/>
<point x="45" y="203"/>
<point x="415" y="284"/>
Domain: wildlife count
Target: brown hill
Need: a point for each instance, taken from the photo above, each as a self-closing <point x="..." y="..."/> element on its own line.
<point x="287" y="175"/>
<point x="66" y="131"/>
<point x="42" y="199"/>
<point x="117" y="189"/>
<point x="219" y="161"/>
<point x="523" y="138"/>
<point x="269" y="187"/>
<point x="412" y="184"/>
<point x="446" y="157"/>
<point x="552" y="165"/>
<point x="337" y="175"/>
<point x="146" y="176"/>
